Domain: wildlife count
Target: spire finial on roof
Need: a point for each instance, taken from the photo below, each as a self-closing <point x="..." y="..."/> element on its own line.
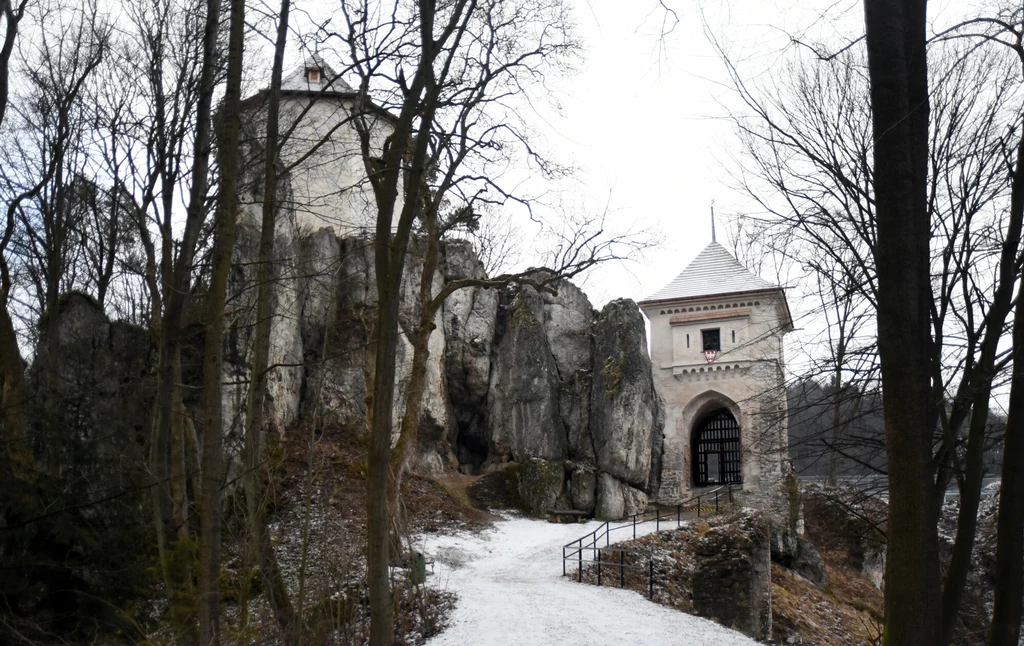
<point x="713" y="221"/>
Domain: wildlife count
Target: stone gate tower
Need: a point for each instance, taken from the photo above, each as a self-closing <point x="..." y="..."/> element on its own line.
<point x="716" y="350"/>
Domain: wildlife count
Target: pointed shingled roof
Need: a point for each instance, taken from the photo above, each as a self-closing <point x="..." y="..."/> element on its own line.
<point x="713" y="272"/>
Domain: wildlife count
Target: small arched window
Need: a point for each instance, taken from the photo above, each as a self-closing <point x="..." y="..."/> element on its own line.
<point x="716" y="450"/>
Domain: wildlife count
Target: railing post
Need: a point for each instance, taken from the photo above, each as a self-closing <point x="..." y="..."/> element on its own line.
<point x="634" y="527"/>
<point x="679" y="515"/>
<point x="579" y="553"/>
<point x="563" y="560"/>
<point x="599" y="570"/>
<point x="622" y="569"/>
<point x="698" y="506"/>
<point x="716" y="500"/>
<point x="650" y="577"/>
<point x="657" y="520"/>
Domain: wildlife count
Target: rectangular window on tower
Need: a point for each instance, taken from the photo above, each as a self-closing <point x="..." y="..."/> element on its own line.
<point x="712" y="339"/>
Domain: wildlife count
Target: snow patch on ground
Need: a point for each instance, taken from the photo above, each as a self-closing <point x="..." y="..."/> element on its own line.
<point x="511" y="592"/>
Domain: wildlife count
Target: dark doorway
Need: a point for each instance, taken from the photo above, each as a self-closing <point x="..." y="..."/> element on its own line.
<point x="716" y="450"/>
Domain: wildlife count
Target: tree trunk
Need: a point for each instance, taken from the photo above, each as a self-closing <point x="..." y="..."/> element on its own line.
<point x="12" y="16"/>
<point x="12" y="367"/>
<point x="420" y="339"/>
<point x="984" y="373"/>
<point x="1009" y="582"/>
<point x="178" y="469"/>
<point x="12" y="404"/>
<point x="255" y="419"/>
<point x="1009" y="586"/>
<point x="384" y="344"/>
<point x="213" y="353"/>
<point x="175" y="288"/>
<point x="833" y="452"/>
<point x="405" y="160"/>
<point x="898" y="73"/>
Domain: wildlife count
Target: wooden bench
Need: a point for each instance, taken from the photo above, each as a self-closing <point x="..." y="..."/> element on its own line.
<point x="575" y="515"/>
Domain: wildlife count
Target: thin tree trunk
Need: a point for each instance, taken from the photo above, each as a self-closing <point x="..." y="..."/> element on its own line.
<point x="213" y="354"/>
<point x="1009" y="565"/>
<point x="255" y="418"/>
<point x="178" y="469"/>
<point x="176" y="286"/>
<point x="400" y="164"/>
<point x="15" y="427"/>
<point x="833" y="453"/>
<point x="1009" y="586"/>
<point x="420" y="339"/>
<point x="383" y="345"/>
<point x="12" y="404"/>
<point x="12" y="17"/>
<point x="984" y="372"/>
<point x="897" y="68"/>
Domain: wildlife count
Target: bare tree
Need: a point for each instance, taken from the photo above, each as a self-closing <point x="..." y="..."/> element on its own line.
<point x="454" y="75"/>
<point x="177" y="278"/>
<point x="12" y="14"/>
<point x="898" y="74"/>
<point x="229" y="118"/>
<point x="255" y="422"/>
<point x="14" y="393"/>
<point x="812" y="149"/>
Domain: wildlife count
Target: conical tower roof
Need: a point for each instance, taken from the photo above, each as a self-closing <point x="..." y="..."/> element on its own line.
<point x="714" y="272"/>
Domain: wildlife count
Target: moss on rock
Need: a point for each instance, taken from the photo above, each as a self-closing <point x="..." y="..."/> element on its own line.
<point x="541" y="484"/>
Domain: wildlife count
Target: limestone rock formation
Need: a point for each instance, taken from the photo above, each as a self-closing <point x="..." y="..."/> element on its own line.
<point x="469" y="317"/>
<point x="583" y="488"/>
<point x="524" y="415"/>
<point x="541" y="485"/>
<point x="95" y="376"/>
<point x="617" y="500"/>
<point x="514" y="375"/>
<point x="568" y="323"/>
<point x="333" y="326"/>
<point x="732" y="578"/>
<point x="625" y="411"/>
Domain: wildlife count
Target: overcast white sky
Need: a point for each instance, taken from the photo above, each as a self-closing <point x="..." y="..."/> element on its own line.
<point x="645" y="118"/>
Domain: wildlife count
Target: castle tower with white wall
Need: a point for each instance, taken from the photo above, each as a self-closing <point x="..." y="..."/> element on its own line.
<point x="323" y="181"/>
<point x="716" y="350"/>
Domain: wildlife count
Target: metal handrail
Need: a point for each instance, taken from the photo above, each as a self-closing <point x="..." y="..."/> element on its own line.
<point x="574" y="550"/>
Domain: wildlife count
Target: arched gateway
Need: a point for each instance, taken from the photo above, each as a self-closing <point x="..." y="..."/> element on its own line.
<point x="716" y="350"/>
<point x="715" y="452"/>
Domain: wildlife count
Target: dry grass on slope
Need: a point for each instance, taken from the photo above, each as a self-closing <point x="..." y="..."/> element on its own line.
<point x="803" y="614"/>
<point x="317" y="520"/>
<point x="847" y="611"/>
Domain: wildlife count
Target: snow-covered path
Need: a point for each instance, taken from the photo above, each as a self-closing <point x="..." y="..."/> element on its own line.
<point x="511" y="592"/>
